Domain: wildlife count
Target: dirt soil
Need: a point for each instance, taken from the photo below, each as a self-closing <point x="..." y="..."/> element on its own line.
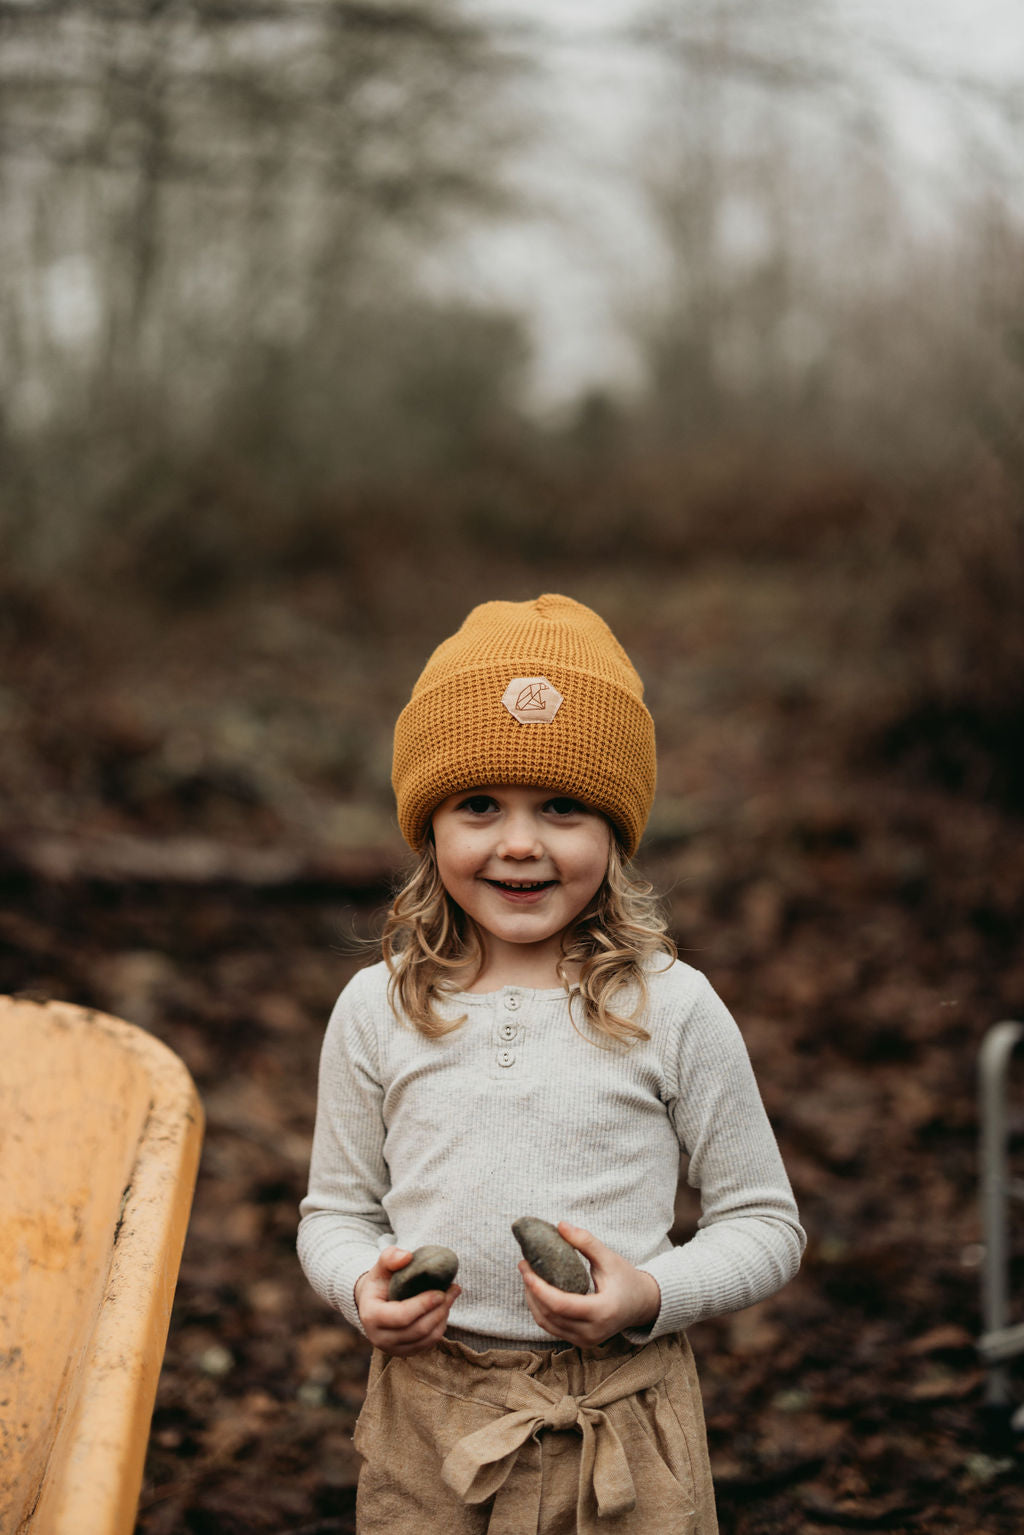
<point x="198" y="833"/>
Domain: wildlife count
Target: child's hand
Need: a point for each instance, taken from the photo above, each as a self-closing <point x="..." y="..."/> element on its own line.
<point x="624" y="1296"/>
<point x="401" y="1326"/>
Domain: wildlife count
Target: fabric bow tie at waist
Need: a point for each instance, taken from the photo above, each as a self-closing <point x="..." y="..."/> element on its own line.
<point x="480" y="1464"/>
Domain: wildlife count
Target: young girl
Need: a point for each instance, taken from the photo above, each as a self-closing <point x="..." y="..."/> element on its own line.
<point x="530" y="1046"/>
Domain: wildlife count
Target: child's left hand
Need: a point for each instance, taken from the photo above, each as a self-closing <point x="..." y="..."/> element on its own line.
<point x="623" y="1296"/>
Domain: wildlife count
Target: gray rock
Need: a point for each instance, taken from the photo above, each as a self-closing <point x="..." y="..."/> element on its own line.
<point x="550" y="1256"/>
<point x="429" y="1268"/>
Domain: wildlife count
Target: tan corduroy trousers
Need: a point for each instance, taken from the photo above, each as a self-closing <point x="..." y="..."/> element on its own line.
<point x="604" y="1441"/>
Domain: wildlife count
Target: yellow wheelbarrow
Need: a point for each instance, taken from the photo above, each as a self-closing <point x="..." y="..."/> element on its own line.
<point x="100" y="1130"/>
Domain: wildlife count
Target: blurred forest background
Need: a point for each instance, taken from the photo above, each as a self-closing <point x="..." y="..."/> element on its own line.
<point x="270" y="425"/>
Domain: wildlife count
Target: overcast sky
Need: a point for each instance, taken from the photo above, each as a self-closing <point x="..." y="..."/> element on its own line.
<point x="587" y="243"/>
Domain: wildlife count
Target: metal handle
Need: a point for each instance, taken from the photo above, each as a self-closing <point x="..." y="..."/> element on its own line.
<point x="998" y="1342"/>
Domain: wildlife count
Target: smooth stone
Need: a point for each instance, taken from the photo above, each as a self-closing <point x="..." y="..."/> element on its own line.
<point x="550" y="1255"/>
<point x="429" y="1268"/>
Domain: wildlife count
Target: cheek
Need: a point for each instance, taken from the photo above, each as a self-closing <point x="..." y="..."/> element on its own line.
<point x="454" y="857"/>
<point x="593" y="865"/>
<point x="603" y="848"/>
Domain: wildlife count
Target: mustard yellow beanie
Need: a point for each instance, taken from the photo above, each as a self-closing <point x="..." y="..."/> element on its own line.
<point x="537" y="693"/>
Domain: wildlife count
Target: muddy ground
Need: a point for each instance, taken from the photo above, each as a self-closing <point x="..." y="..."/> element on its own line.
<point x="198" y="837"/>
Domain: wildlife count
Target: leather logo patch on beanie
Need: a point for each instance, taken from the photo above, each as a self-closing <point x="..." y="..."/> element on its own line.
<point x="532" y="700"/>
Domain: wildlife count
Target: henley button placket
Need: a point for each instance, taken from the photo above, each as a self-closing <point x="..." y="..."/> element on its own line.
<point x="509" y="1029"/>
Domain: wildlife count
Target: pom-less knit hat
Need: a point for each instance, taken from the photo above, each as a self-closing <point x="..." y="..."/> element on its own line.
<point x="538" y="693"/>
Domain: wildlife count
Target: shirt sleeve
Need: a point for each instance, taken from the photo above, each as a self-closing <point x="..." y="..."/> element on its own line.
<point x="343" y="1225"/>
<point x="749" y="1240"/>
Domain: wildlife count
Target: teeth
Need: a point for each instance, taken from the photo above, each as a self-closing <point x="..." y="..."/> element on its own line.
<point x="525" y="884"/>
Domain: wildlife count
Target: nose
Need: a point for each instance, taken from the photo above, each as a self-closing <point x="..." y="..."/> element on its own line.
<point x="519" y="837"/>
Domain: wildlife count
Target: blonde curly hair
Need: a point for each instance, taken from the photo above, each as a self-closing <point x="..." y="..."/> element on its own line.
<point x="430" y="945"/>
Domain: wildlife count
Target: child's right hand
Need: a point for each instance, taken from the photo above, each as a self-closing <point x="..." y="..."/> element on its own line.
<point x="401" y="1326"/>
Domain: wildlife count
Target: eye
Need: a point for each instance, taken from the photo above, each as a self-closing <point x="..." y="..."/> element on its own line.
<point x="563" y="806"/>
<point x="478" y="804"/>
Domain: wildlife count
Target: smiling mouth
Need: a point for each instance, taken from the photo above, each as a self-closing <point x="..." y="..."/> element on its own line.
<point x="516" y="885"/>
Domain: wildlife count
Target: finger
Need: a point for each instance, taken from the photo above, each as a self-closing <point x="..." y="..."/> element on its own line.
<point x="551" y="1318"/>
<point x="582" y="1331"/>
<point x="561" y="1303"/>
<point x="394" y="1258"/>
<point x="544" y="1319"/>
<point x="421" y="1330"/>
<point x="415" y="1316"/>
<point x="582" y="1319"/>
<point x="396" y="1315"/>
<point x="389" y="1259"/>
<point x="422" y="1346"/>
<point x="585" y="1242"/>
<point x="443" y="1300"/>
<point x="422" y="1333"/>
<point x="565" y="1331"/>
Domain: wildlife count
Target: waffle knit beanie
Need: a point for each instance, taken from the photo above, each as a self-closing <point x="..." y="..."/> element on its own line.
<point x="538" y="693"/>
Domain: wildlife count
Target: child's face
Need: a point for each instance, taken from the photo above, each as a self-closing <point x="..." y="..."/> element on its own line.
<point x="522" y="862"/>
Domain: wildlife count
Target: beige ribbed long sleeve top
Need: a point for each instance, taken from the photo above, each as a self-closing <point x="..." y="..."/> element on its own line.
<point x="516" y="1113"/>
